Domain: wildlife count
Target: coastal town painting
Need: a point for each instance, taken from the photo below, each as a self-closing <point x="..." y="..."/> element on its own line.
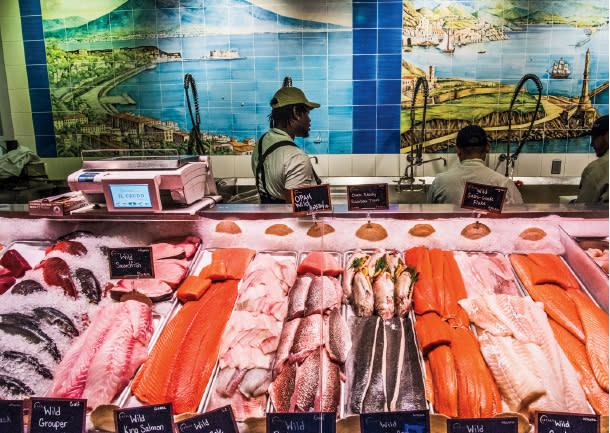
<point x="462" y="63"/>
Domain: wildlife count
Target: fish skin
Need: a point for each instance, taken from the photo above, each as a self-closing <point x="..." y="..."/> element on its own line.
<point x="307" y="338"/>
<point x="322" y="296"/>
<point x="411" y="388"/>
<point x="282" y="388"/>
<point x="15" y="385"/>
<point x="337" y="339"/>
<point x="383" y="288"/>
<point x="56" y="272"/>
<point x="55" y="317"/>
<point x="364" y="299"/>
<point x="27" y="326"/>
<point x="364" y="335"/>
<point x="282" y="353"/>
<point x="327" y="399"/>
<point x="375" y="398"/>
<point x="306" y="384"/>
<point x="89" y="285"/>
<point x="298" y="295"/>
<point x="27" y="287"/>
<point x="30" y="360"/>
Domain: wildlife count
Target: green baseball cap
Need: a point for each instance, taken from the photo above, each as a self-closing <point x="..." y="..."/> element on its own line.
<point x="290" y="96"/>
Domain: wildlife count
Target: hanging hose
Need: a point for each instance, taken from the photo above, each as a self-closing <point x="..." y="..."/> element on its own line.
<point x="510" y="159"/>
<point x="195" y="144"/>
<point x="421" y="81"/>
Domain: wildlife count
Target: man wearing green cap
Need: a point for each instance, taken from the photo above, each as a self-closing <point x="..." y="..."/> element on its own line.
<point x="278" y="164"/>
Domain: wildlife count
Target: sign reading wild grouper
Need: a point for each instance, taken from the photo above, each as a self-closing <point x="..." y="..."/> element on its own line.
<point x="488" y="198"/>
<point x="11" y="416"/>
<point x="555" y="422"/>
<point x="371" y="196"/>
<point x="309" y="199"/>
<point x="145" y="419"/>
<point x="131" y="262"/>
<point x="59" y="415"/>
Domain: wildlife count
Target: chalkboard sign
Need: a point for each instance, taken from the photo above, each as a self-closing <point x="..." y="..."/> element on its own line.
<point x="301" y="422"/>
<point x="131" y="262"/>
<point x="391" y="422"/>
<point x="311" y="199"/>
<point x="489" y="198"/>
<point x="483" y="425"/>
<point x="549" y="422"/>
<point x="370" y="196"/>
<point x="154" y="418"/>
<point x="58" y="415"/>
<point x="11" y="416"/>
<point x="217" y="421"/>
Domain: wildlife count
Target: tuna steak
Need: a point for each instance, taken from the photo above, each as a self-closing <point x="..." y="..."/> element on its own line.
<point x="14" y="262"/>
<point x="73" y="248"/>
<point x="57" y="273"/>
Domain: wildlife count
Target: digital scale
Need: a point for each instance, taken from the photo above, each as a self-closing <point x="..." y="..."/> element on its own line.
<point x="128" y="183"/>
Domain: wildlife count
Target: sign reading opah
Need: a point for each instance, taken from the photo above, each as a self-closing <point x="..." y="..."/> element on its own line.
<point x="370" y="196"/>
<point x="555" y="422"/>
<point x="311" y="199"/>
<point x="483" y="197"/>
<point x="58" y="415"/>
<point x="131" y="262"/>
<point x="145" y="419"/>
<point x="11" y="416"/>
<point x="483" y="425"/>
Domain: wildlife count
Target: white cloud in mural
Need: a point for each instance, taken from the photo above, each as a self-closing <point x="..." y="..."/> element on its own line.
<point x="326" y="11"/>
<point x="55" y="9"/>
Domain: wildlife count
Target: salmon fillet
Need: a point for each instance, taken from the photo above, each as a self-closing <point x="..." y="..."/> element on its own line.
<point x="444" y="380"/>
<point x="549" y="268"/>
<point x="454" y="290"/>
<point x="431" y="331"/>
<point x="595" y="324"/>
<point x="236" y="260"/>
<point x="424" y="291"/>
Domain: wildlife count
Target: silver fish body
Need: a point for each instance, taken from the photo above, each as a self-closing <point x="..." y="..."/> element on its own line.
<point x="384" y="295"/>
<point x="364" y="301"/>
<point x="403" y="293"/>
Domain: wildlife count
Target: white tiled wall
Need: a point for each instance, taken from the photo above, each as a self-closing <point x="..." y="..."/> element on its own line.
<point x="340" y="165"/>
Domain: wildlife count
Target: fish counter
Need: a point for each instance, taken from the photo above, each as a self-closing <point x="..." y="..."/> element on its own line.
<point x="461" y="315"/>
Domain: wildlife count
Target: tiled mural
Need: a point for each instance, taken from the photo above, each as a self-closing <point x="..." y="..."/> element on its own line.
<point x="110" y="73"/>
<point x="474" y="53"/>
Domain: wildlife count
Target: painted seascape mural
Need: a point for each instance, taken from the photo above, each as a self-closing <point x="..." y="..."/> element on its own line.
<point x="116" y="71"/>
<point x="474" y="53"/>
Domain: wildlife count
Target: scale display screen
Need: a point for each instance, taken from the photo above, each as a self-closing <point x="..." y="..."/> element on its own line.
<point x="130" y="196"/>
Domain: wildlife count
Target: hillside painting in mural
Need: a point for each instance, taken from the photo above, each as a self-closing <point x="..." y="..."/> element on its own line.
<point x="116" y="71"/>
<point x="474" y="53"/>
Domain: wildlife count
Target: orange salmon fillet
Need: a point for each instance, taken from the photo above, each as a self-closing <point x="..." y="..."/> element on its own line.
<point x="549" y="268"/>
<point x="236" y="260"/>
<point x="595" y="323"/>
<point x="577" y="355"/>
<point x="444" y="379"/>
<point x="424" y="291"/>
<point x="454" y="290"/>
<point x="431" y="331"/>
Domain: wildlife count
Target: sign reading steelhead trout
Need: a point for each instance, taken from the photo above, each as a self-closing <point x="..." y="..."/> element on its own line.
<point x="483" y="425"/>
<point x="220" y="420"/>
<point x="370" y="196"/>
<point x="131" y="262"/>
<point x="146" y="419"/>
<point x="489" y="198"/>
<point x="301" y="422"/>
<point x="417" y="421"/>
<point x="556" y="422"/>
<point x="11" y="416"/>
<point x="309" y="199"/>
<point x="58" y="415"/>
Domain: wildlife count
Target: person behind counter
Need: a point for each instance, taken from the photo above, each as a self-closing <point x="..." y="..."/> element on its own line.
<point x="277" y="163"/>
<point x="471" y="147"/>
<point x="594" y="180"/>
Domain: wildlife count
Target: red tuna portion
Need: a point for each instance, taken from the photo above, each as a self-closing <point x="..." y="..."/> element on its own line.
<point x="69" y="247"/>
<point x="14" y="262"/>
<point x="57" y="273"/>
<point x="6" y="282"/>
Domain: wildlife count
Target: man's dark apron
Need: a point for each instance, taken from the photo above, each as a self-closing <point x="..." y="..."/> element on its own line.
<point x="261" y="182"/>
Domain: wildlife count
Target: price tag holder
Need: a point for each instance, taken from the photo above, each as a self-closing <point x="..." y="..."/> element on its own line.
<point x="392" y="422"/>
<point x="153" y="418"/>
<point x="308" y="199"/>
<point x="217" y="421"/>
<point x="131" y="262"/>
<point x="11" y="416"/>
<point x="301" y="422"/>
<point x="483" y="425"/>
<point x="557" y="422"/>
<point x="489" y="198"/>
<point x="57" y="415"/>
<point x="368" y="197"/>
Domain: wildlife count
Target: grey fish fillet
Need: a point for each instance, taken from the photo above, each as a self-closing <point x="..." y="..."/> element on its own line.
<point x="411" y="395"/>
<point x="376" y="395"/>
<point x="55" y="317"/>
<point x="364" y="334"/>
<point x="24" y="358"/>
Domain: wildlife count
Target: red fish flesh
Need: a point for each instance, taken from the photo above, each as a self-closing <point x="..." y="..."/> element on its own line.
<point x="57" y="273"/>
<point x="73" y="248"/>
<point x="14" y="262"/>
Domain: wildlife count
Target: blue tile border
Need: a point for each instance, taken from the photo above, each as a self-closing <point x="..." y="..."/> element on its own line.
<point x="364" y="141"/>
<point x="46" y="146"/>
<point x="29" y="7"/>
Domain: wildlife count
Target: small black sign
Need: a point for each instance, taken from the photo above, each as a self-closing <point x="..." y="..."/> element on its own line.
<point x="154" y="418"/>
<point x="131" y="262"/>
<point x="58" y="415"/>
<point x="301" y="422"/>
<point x="370" y="196"/>
<point x="217" y="421"/>
<point x="309" y="199"/>
<point x="391" y="422"/>
<point x="556" y="422"/>
<point x="11" y="416"/>
<point x="489" y="198"/>
<point x="483" y="425"/>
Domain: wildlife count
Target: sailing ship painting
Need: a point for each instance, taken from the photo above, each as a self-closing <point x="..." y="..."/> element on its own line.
<point x="448" y="46"/>
<point x="561" y="69"/>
